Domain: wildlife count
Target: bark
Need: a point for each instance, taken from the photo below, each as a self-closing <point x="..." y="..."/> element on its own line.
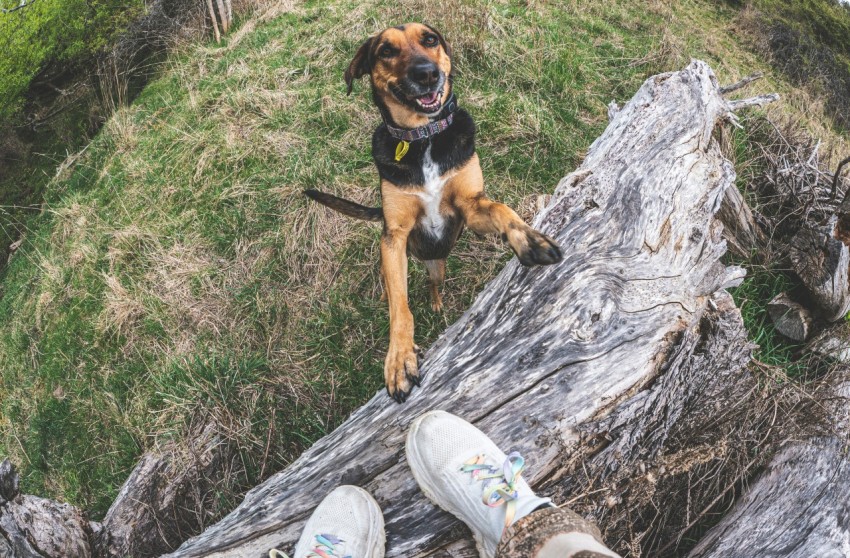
<point x="545" y="352"/>
<point x="800" y="505"/>
<point x="821" y="259"/>
<point x="33" y="527"/>
<point x="164" y="501"/>
<point x="166" y="498"/>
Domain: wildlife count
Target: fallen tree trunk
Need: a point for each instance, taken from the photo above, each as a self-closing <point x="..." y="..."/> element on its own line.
<point x="546" y="351"/>
<point x="633" y="470"/>
<point x="800" y="505"/>
<point x="164" y="501"/>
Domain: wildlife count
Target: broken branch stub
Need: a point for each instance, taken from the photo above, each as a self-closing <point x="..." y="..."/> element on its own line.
<point x="791" y="319"/>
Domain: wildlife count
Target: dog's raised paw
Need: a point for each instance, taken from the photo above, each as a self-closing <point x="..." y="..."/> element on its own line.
<point x="538" y="249"/>
<point x="401" y="371"/>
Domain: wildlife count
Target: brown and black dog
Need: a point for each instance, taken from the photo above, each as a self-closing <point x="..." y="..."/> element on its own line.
<point x="431" y="181"/>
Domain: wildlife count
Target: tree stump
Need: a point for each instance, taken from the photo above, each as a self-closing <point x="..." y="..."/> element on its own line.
<point x="821" y="259"/>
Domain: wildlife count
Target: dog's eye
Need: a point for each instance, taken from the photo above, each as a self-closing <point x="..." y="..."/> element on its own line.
<point x="386" y="52"/>
<point x="430" y="40"/>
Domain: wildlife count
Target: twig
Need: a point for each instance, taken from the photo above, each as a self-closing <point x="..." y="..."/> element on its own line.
<point x="585" y="495"/>
<point x="835" y="178"/>
<point x="741" y="84"/>
<point x="814" y="154"/>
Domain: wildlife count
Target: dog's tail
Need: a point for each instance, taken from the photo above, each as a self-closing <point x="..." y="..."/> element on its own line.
<point x="346" y="207"/>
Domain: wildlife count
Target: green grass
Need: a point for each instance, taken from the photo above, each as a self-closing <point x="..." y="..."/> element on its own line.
<point x="807" y="42"/>
<point x="177" y="270"/>
<point x="759" y="287"/>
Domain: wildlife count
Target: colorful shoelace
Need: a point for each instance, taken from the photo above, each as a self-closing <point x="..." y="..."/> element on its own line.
<point x="325" y="548"/>
<point x="499" y="483"/>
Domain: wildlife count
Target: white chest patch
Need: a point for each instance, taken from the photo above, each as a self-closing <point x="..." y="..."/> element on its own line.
<point x="432" y="195"/>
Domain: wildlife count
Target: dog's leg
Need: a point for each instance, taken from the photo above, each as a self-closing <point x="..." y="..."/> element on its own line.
<point x="484" y="216"/>
<point x="436" y="276"/>
<point x="401" y="367"/>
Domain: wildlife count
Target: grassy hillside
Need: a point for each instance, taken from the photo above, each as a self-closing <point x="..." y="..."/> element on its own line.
<point x="178" y="274"/>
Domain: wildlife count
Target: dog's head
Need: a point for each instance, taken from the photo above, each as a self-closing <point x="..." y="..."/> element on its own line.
<point x="410" y="67"/>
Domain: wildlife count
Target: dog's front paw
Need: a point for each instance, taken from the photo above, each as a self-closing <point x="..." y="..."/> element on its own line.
<point x="535" y="248"/>
<point x="401" y="370"/>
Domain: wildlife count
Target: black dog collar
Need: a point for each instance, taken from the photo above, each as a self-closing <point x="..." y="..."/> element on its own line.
<point x="428" y="130"/>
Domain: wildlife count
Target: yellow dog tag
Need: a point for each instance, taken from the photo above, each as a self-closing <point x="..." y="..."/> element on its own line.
<point x="401" y="150"/>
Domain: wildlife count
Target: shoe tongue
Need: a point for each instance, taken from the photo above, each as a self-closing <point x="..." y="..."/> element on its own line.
<point x="526" y="503"/>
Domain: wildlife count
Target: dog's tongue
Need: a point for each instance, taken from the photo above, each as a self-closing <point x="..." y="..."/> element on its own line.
<point x="429" y="99"/>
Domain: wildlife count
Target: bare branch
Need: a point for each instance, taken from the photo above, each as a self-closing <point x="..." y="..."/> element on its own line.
<point x="758" y="101"/>
<point x="23" y="4"/>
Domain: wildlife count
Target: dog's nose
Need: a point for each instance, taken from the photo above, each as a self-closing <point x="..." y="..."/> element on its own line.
<point x="424" y="73"/>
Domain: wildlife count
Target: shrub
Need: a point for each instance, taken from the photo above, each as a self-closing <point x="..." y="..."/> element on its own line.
<point x="47" y="35"/>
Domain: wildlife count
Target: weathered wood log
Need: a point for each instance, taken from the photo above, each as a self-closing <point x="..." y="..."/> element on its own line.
<point x="544" y="350"/>
<point x="167" y="496"/>
<point x="790" y="318"/>
<point x="634" y="468"/>
<point x="33" y="527"/>
<point x="165" y="500"/>
<point x="799" y="506"/>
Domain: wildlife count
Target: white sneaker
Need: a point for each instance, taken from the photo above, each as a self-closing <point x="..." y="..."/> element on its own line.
<point x="348" y="523"/>
<point x="459" y="468"/>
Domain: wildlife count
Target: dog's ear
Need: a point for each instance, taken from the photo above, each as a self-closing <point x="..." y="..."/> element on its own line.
<point x="360" y="64"/>
<point x="446" y="46"/>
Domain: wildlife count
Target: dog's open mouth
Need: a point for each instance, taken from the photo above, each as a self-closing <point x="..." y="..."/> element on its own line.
<point x="429" y="102"/>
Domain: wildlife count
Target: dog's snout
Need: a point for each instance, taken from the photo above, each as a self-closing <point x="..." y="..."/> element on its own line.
<point x="424" y="72"/>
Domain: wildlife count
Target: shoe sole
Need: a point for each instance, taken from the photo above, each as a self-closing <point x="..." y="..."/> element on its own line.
<point x="410" y="451"/>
